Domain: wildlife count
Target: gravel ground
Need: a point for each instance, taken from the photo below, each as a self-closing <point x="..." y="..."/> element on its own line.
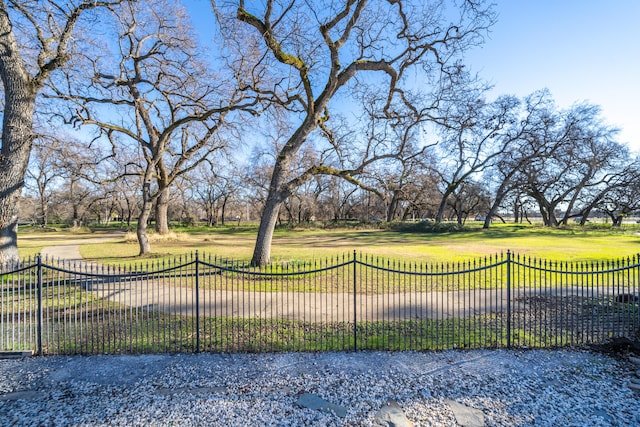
<point x="511" y="388"/>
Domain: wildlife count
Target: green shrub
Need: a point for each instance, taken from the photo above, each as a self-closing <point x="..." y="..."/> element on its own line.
<point x="428" y="227"/>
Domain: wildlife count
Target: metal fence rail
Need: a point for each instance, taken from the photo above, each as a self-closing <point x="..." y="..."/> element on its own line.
<point x="353" y="302"/>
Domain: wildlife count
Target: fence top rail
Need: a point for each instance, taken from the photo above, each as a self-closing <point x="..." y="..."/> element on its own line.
<point x="115" y="272"/>
<point x="437" y="273"/>
<point x="259" y="273"/>
<point x="137" y="271"/>
<point x="16" y="270"/>
<point x="108" y="271"/>
<point x="576" y="268"/>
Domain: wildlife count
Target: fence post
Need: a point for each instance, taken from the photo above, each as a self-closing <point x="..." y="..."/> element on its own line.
<point x="355" y="305"/>
<point x="40" y="309"/>
<point x="508" y="299"/>
<point x="197" y="303"/>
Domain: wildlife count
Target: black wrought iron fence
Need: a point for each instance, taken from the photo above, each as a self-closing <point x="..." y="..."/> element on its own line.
<point x="353" y="302"/>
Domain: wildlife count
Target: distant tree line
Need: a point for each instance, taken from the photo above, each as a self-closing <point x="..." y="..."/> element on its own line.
<point x="511" y="157"/>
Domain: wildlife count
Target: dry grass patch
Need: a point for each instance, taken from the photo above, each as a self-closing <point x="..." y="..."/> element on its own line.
<point x="172" y="236"/>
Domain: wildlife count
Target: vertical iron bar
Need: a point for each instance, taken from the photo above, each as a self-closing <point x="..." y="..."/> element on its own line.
<point x="40" y="315"/>
<point x="12" y="284"/>
<point x="197" y="303"/>
<point x="355" y="317"/>
<point x="508" y="299"/>
<point x="636" y="286"/>
<point x="364" y="285"/>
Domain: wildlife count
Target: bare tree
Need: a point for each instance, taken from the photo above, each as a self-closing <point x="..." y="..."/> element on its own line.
<point x="505" y="174"/>
<point x="422" y="194"/>
<point x="44" y="174"/>
<point x="584" y="148"/>
<point x="213" y="187"/>
<point x="470" y="198"/>
<point x="36" y="39"/>
<point x="167" y="107"/>
<point x="82" y="167"/>
<point x="126" y="191"/>
<point x="476" y="133"/>
<point x="396" y="183"/>
<point x="621" y="199"/>
<point x="315" y="49"/>
<point x="617" y="193"/>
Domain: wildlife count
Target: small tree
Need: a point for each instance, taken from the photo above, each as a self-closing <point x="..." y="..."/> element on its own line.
<point x="44" y="174"/>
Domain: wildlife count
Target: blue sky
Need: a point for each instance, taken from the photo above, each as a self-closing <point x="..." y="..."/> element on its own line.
<point x="581" y="50"/>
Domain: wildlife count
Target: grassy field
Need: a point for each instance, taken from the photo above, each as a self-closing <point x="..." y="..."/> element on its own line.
<point x="78" y="321"/>
<point x="568" y="244"/>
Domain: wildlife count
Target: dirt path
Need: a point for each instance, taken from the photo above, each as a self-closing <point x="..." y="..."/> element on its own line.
<point x="173" y="295"/>
<point x="70" y="250"/>
<point x="150" y="293"/>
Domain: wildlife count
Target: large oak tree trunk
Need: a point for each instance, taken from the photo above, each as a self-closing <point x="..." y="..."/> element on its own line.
<point x="275" y="198"/>
<point x="162" y="209"/>
<point x="16" y="147"/>
<point x="262" y="249"/>
<point x="393" y="206"/>
<point x="17" y="138"/>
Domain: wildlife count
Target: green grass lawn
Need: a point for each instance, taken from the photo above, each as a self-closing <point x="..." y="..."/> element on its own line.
<point x="77" y="321"/>
<point x="570" y="244"/>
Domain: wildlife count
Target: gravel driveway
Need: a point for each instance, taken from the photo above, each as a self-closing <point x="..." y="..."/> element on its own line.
<point x="502" y="388"/>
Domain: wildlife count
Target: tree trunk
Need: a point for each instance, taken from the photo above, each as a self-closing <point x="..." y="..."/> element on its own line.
<point x="492" y="212"/>
<point x="459" y="213"/>
<point x="262" y="250"/>
<point x="8" y="220"/>
<point x="553" y="220"/>
<point x="487" y="219"/>
<point x="74" y="204"/>
<point x="129" y="213"/>
<point x="17" y="140"/>
<point x="443" y="203"/>
<point x="276" y="196"/>
<point x="393" y="206"/>
<point x="223" y="210"/>
<point x="584" y="219"/>
<point x="141" y="230"/>
<point x="74" y="218"/>
<point x="545" y="217"/>
<point x="162" y="209"/>
<point x="143" y="219"/>
<point x="441" y="208"/>
<point x="44" y="208"/>
<point x="500" y="195"/>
